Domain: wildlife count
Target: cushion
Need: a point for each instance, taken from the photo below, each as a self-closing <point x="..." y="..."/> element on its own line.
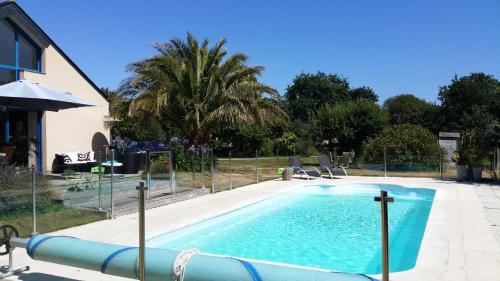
<point x="83" y="157"/>
<point x="66" y="158"/>
<point x="73" y="156"/>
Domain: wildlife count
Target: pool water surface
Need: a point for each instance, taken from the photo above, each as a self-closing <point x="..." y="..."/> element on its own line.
<point x="335" y="227"/>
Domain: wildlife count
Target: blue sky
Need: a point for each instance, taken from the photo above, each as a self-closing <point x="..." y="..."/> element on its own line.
<point x="391" y="46"/>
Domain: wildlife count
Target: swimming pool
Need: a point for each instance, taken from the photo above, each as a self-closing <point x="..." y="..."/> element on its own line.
<point x="335" y="227"/>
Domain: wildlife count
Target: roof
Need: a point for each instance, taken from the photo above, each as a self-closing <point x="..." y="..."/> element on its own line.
<point x="11" y="9"/>
<point x="449" y="135"/>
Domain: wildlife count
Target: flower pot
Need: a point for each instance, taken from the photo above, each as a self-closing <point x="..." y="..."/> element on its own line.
<point x="476" y="173"/>
<point x="462" y="172"/>
<point x="287" y="174"/>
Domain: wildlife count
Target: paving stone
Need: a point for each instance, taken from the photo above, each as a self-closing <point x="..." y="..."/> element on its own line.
<point x="493" y="216"/>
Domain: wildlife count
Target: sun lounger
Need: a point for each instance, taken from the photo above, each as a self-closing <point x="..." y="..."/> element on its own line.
<point x="326" y="166"/>
<point x="298" y="169"/>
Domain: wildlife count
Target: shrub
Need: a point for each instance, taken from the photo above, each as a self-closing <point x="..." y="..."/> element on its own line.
<point x="160" y="165"/>
<point x="188" y="160"/>
<point x="405" y="145"/>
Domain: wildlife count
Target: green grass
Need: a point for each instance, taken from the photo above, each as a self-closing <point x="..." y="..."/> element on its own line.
<point x="51" y="219"/>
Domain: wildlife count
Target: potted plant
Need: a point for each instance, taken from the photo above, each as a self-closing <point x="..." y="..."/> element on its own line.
<point x="477" y="169"/>
<point x="471" y="152"/>
<point x="477" y="158"/>
<point x="461" y="163"/>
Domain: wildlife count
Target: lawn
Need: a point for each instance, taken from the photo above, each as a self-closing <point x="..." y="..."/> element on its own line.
<point x="50" y="219"/>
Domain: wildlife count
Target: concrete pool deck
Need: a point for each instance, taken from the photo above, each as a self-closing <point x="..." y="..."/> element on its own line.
<point x="461" y="241"/>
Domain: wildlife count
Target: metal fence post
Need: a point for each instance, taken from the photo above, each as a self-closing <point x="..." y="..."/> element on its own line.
<point x="112" y="151"/>
<point x="212" y="169"/>
<point x="202" y="168"/>
<point x="385" y="162"/>
<point x="99" y="181"/>
<point x="335" y="163"/>
<point x="230" y="173"/>
<point x="33" y="191"/>
<point x="257" y="165"/>
<point x="441" y="166"/>
<point x="147" y="167"/>
<point x="496" y="161"/>
<point x="383" y="199"/>
<point x="172" y="170"/>
<point x="142" y="231"/>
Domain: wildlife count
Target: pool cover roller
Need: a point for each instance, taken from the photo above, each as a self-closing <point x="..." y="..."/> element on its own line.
<point x="123" y="261"/>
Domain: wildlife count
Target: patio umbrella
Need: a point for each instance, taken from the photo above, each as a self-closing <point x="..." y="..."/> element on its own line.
<point x="27" y="95"/>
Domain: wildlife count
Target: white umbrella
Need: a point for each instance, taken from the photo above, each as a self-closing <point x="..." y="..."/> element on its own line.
<point x="29" y="95"/>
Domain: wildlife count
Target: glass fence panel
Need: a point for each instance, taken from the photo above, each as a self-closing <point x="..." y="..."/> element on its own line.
<point x="16" y="197"/>
<point x="74" y="201"/>
<point x="188" y="168"/>
<point x="413" y="166"/>
<point x="54" y="207"/>
<point x="76" y="194"/>
<point x="269" y="167"/>
<point x="243" y="171"/>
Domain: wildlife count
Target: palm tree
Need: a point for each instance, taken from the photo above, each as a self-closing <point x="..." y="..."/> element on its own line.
<point x="201" y="90"/>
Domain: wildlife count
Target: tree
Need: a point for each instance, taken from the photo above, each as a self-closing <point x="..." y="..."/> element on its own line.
<point x="247" y="139"/>
<point x="350" y="123"/>
<point x="118" y="104"/>
<point x="406" y="143"/>
<point x="408" y="109"/>
<point x="139" y="127"/>
<point x="363" y="93"/>
<point x="201" y="89"/>
<point x="309" y="92"/>
<point x="467" y="99"/>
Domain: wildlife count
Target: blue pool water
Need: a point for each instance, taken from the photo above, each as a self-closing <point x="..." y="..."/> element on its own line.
<point x="330" y="227"/>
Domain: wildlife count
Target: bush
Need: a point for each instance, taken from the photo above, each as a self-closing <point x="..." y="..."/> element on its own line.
<point x="160" y="165"/>
<point x="405" y="145"/>
<point x="189" y="160"/>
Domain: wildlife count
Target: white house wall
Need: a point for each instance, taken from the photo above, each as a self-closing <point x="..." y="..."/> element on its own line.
<point x="68" y="130"/>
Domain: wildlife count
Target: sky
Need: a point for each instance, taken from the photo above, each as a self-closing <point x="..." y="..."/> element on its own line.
<point x="393" y="47"/>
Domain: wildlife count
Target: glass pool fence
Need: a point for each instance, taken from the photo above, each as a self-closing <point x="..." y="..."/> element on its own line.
<point x="78" y="193"/>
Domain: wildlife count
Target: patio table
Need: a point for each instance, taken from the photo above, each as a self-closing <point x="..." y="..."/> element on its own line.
<point x="115" y="164"/>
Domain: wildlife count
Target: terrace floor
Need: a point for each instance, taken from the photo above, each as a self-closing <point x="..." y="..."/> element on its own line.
<point x="461" y="241"/>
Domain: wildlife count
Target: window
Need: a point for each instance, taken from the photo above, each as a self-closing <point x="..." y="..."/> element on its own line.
<point x="7" y="44"/>
<point x="28" y="54"/>
<point x="17" y="51"/>
<point x="7" y="76"/>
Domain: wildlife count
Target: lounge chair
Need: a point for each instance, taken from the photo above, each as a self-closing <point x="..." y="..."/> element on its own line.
<point x="298" y="169"/>
<point x="326" y="166"/>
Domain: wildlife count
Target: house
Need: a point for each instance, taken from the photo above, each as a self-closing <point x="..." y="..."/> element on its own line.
<point x="27" y="52"/>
